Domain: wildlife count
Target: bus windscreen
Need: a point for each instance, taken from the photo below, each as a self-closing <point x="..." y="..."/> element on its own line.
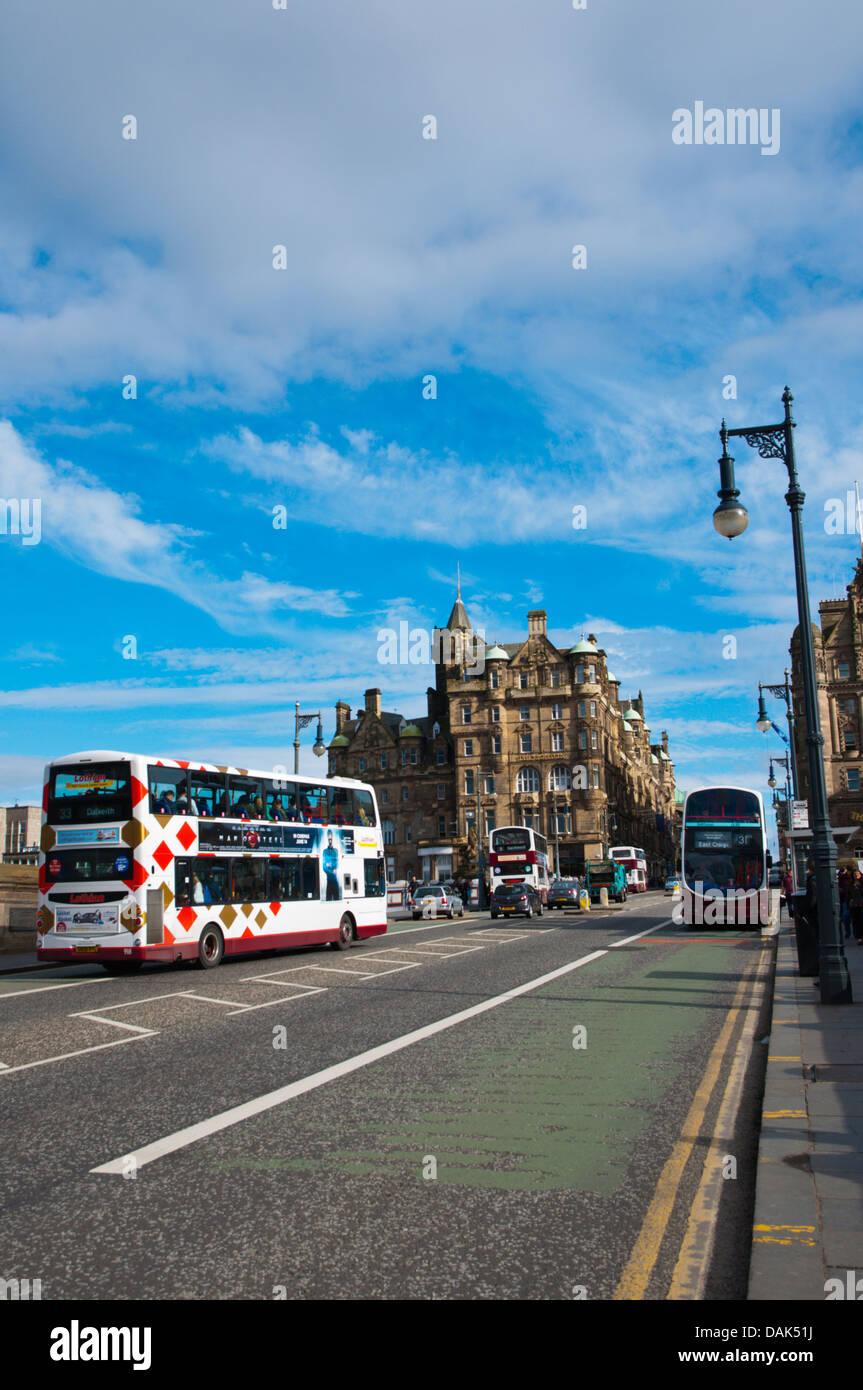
<point x="512" y="841"/>
<point x="723" y="804"/>
<point x="87" y="792"/>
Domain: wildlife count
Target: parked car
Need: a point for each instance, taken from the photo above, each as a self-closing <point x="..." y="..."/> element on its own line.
<point x="446" y="902"/>
<point x="516" y="899"/>
<point x="564" y="893"/>
<point x="672" y="883"/>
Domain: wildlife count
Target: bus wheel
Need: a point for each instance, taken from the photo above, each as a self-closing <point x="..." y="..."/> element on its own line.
<point x="211" y="947"/>
<point x="346" y="935"/>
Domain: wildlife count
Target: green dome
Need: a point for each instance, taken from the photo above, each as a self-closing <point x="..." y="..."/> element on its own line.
<point x="583" y="646"/>
<point x="340" y="741"/>
<point x="496" y="653"/>
<point x="613" y="678"/>
<point x="411" y="731"/>
<point x="633" y="714"/>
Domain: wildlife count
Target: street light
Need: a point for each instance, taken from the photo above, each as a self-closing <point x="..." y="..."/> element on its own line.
<point x="300" y="722"/>
<point x="765" y="723"/>
<point x="731" y="519"/>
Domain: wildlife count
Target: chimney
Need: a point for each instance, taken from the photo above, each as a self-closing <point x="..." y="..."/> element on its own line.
<point x="536" y="622"/>
<point x="343" y="714"/>
<point x="373" y="703"/>
<point x="665" y="740"/>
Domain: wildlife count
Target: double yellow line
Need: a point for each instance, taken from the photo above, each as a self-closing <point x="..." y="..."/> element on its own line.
<point x="690" y="1272"/>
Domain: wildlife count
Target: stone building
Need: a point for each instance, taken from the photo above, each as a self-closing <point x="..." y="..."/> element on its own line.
<point x="20" y="829"/>
<point x="530" y="735"/>
<point x="839" y="676"/>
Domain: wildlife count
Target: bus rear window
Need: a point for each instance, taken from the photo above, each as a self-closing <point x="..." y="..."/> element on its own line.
<point x="85" y="793"/>
<point x="88" y="865"/>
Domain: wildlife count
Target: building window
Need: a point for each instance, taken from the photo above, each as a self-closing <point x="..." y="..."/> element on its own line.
<point x="528" y="820"/>
<point x="596" y="776"/>
<point x="594" y="743"/>
<point x="383" y="760"/>
<point x="591" y="674"/>
<point x="582" y="709"/>
<point x="527" y="780"/>
<point x="389" y="832"/>
<point x="593" y="709"/>
<point x="415" y="753"/>
<point x="843" y="670"/>
<point x="582" y="738"/>
<point x="495" y="714"/>
<point x="494" y="682"/>
<point x="853" y="775"/>
<point x="489" y="822"/>
<point x="554" y="676"/>
<point x="465" y="714"/>
<point x="441" y="826"/>
<point x="488" y="785"/>
<point x="579" y="675"/>
<point x="559" y="779"/>
<point x="468" y="747"/>
<point x="405" y="794"/>
<point x="495" y="743"/>
<point x="385" y="796"/>
<point x="526" y="743"/>
<point x="557" y="743"/>
<point x="441" y="757"/>
<point x="362" y="764"/>
<point x="562" y="820"/>
<point x="557" y="711"/>
<point x="404" y="756"/>
<point x="469" y="788"/>
<point x="523" y="680"/>
<point x="409" y="834"/>
<point x="441" y="791"/>
<point x="850" y="738"/>
<point x="524" y="713"/>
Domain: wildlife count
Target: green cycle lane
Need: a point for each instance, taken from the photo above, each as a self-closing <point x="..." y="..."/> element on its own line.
<point x="555" y="1090"/>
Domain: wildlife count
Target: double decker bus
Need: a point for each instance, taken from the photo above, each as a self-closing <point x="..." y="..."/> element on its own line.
<point x="518" y="854"/>
<point x="635" y="863"/>
<point x="148" y="859"/>
<point x="724" y="858"/>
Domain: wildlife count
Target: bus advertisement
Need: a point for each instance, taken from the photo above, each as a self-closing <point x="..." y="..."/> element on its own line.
<point x="724" y="863"/>
<point x="150" y="859"/>
<point x="519" y="854"/>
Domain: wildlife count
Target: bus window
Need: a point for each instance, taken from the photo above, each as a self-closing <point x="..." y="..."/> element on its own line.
<point x="375" y="886"/>
<point x="208" y="794"/>
<point x="364" y="808"/>
<point x="249" y="880"/>
<point x="313" y="804"/>
<point x="214" y="879"/>
<point x="340" y="809"/>
<point x="280" y="799"/>
<point x="169" y="794"/>
<point x="284" y="883"/>
<point x="246" y="796"/>
<point x="311" y="886"/>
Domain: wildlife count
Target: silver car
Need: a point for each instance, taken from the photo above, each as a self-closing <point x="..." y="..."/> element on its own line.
<point x="436" y="900"/>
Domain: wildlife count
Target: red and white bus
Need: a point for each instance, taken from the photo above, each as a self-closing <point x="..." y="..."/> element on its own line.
<point x="635" y="863"/>
<point x="150" y="859"/>
<point x="518" y="854"/>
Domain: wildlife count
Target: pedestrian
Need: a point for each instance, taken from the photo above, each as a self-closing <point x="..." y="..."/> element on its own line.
<point x="844" y="883"/>
<point x="855" y="905"/>
<point x="788" y="891"/>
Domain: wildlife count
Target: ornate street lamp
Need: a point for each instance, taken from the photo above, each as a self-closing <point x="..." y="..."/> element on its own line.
<point x="300" y="722"/>
<point x="731" y="519"/>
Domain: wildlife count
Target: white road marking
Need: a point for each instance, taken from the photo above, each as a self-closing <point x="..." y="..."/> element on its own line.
<point x="115" y="1023"/>
<point x="180" y="1139"/>
<point x="63" y="1056"/>
<point x="62" y="984"/>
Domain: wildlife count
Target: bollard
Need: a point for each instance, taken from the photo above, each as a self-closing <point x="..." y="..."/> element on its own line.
<point x="603" y="897"/>
<point x="584" y="900"/>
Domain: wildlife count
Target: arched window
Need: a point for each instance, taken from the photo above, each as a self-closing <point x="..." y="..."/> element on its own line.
<point x="527" y="780"/>
<point x="389" y="832"/>
<point x="559" y="779"/>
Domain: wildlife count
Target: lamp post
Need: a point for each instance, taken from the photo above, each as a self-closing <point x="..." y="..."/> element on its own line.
<point x="300" y="722"/>
<point x="777" y="801"/>
<point x="763" y="722"/>
<point x="731" y="519"/>
<point x="480" y="882"/>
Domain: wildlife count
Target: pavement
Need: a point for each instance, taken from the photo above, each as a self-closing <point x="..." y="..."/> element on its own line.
<point x="808" y="1221"/>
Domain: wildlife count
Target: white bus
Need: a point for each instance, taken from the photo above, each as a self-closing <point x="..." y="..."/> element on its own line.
<point x="151" y="859"/>
<point x="518" y="854"/>
<point x="635" y="863"/>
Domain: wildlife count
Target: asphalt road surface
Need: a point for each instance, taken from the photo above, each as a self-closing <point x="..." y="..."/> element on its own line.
<point x="425" y="1116"/>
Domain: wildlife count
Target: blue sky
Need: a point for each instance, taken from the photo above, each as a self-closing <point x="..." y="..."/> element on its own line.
<point x="302" y="387"/>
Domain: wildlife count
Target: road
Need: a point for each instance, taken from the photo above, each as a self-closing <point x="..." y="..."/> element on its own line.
<point x="425" y="1116"/>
